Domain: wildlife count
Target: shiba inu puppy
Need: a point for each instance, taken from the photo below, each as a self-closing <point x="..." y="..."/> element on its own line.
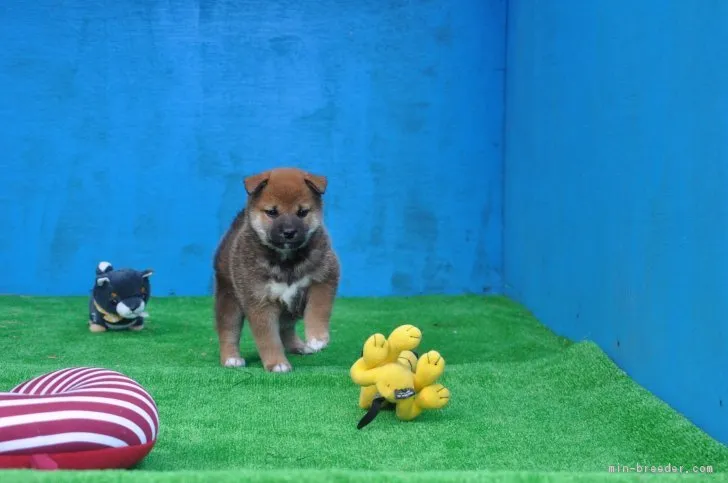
<point x="275" y="266"/>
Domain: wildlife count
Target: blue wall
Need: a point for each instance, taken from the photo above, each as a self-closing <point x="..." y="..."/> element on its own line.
<point x="616" y="186"/>
<point x="128" y="127"/>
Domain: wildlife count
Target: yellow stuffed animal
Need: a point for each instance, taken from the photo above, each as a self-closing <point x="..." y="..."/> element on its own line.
<point x="389" y="371"/>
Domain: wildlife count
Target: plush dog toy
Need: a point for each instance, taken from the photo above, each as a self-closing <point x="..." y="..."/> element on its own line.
<point x="118" y="298"/>
<point x="389" y="372"/>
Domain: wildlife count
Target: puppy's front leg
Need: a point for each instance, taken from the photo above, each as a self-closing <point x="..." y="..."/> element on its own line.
<point x="229" y="324"/>
<point x="264" y="325"/>
<point x="317" y="316"/>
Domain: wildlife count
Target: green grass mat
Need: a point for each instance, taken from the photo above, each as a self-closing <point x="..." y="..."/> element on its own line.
<point x="526" y="405"/>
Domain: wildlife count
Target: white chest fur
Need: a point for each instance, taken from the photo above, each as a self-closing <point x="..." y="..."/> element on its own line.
<point x="286" y="293"/>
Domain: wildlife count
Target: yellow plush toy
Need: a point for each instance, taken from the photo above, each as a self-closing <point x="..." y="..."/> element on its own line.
<point x="389" y="371"/>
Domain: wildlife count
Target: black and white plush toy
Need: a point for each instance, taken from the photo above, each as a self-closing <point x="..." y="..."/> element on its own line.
<point x="118" y="298"/>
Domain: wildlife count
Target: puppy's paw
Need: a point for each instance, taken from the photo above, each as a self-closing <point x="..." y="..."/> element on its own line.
<point x="234" y="362"/>
<point x="280" y="367"/>
<point x="96" y="328"/>
<point x="315" y="345"/>
<point x="136" y="328"/>
<point x="295" y="345"/>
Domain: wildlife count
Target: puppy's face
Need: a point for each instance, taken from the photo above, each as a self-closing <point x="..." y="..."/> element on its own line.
<point x="285" y="207"/>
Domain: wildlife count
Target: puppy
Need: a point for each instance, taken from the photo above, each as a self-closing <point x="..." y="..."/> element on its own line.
<point x="274" y="266"/>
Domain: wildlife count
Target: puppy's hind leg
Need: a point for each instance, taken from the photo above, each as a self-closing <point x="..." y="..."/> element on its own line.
<point x="229" y="325"/>
<point x="291" y="341"/>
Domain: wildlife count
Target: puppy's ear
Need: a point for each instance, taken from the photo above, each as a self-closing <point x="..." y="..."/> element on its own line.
<point x="316" y="183"/>
<point x="103" y="267"/>
<point x="101" y="281"/>
<point x="256" y="182"/>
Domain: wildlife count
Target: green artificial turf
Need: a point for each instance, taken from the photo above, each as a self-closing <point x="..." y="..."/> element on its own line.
<point x="526" y="405"/>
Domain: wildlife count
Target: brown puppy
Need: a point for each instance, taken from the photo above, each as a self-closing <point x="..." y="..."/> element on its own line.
<point x="274" y="266"/>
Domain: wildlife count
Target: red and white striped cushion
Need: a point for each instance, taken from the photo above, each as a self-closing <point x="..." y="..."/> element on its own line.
<point x="87" y="410"/>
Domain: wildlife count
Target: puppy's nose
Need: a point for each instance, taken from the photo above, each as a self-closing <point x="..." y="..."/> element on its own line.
<point x="288" y="233"/>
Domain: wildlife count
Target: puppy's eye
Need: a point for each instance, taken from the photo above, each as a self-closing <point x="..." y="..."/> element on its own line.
<point x="302" y="212"/>
<point x="143" y="290"/>
<point x="273" y="212"/>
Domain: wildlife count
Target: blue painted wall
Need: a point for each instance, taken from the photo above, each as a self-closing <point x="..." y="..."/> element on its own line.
<point x="616" y="186"/>
<point x="128" y="127"/>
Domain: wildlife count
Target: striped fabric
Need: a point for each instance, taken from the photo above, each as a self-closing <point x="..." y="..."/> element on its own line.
<point x="76" y="409"/>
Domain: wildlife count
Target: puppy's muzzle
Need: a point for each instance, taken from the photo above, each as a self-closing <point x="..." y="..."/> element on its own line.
<point x="288" y="232"/>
